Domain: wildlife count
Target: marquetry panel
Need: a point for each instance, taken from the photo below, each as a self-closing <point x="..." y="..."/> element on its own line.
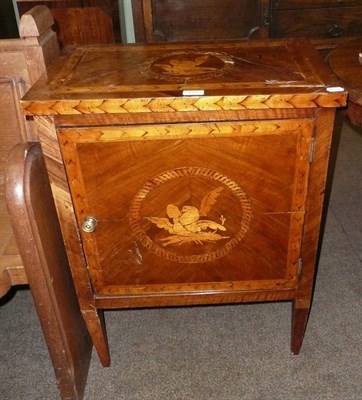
<point x="153" y="79"/>
<point x="174" y="205"/>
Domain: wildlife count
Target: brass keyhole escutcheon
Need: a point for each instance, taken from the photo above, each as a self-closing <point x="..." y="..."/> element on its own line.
<point x="89" y="225"/>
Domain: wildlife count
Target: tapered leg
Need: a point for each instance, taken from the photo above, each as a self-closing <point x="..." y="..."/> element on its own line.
<point x="94" y="320"/>
<point x="299" y="323"/>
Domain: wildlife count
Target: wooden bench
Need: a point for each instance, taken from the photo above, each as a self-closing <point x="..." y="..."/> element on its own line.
<point x="33" y="252"/>
<point x="22" y="61"/>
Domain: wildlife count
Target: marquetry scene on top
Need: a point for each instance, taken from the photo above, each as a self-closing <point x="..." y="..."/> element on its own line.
<point x="184" y="77"/>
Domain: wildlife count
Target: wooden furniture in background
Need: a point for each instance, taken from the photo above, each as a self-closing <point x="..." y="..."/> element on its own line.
<point x="22" y="61"/>
<point x="188" y="173"/>
<point x="42" y="261"/>
<point x="81" y="21"/>
<point x="179" y="20"/>
<point x="96" y="21"/>
<point x="176" y="21"/>
<point x="316" y="19"/>
<point x="346" y="62"/>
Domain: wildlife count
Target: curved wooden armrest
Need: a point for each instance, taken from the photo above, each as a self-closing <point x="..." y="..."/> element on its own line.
<point x="40" y="243"/>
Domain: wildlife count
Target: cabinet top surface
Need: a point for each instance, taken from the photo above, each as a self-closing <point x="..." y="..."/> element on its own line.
<point x="146" y="78"/>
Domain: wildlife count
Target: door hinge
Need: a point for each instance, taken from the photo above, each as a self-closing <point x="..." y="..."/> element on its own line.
<point x="311" y="149"/>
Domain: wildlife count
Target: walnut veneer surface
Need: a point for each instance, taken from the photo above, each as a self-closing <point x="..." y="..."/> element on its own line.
<point x="188" y="173"/>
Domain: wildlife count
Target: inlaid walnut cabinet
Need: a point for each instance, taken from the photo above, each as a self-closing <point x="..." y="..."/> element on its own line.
<point x="188" y="174"/>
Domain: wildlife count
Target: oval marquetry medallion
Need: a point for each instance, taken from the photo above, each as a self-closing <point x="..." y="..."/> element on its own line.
<point x="190" y="215"/>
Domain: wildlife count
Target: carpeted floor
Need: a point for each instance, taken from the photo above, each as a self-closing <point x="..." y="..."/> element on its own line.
<point x="238" y="352"/>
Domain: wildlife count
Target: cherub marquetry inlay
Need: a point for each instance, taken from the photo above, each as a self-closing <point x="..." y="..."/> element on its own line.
<point x="186" y="225"/>
<point x="190" y="214"/>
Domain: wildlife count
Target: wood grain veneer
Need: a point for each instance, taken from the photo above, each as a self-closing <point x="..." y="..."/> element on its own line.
<point x="202" y="166"/>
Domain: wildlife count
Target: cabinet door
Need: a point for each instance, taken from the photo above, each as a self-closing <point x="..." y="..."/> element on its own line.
<point x="190" y="207"/>
<point x="183" y="20"/>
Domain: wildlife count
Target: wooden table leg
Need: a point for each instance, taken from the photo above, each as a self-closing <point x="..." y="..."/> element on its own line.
<point x="299" y="323"/>
<point x="94" y="320"/>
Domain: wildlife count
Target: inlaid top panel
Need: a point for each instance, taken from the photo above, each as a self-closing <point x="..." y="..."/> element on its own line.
<point x="204" y="71"/>
<point x="120" y="69"/>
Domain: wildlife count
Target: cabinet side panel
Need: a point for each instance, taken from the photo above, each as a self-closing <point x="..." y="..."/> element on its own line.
<point x="314" y="205"/>
<point x="64" y="206"/>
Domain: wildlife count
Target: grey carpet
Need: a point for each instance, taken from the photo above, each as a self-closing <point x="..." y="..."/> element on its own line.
<point x="238" y="352"/>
